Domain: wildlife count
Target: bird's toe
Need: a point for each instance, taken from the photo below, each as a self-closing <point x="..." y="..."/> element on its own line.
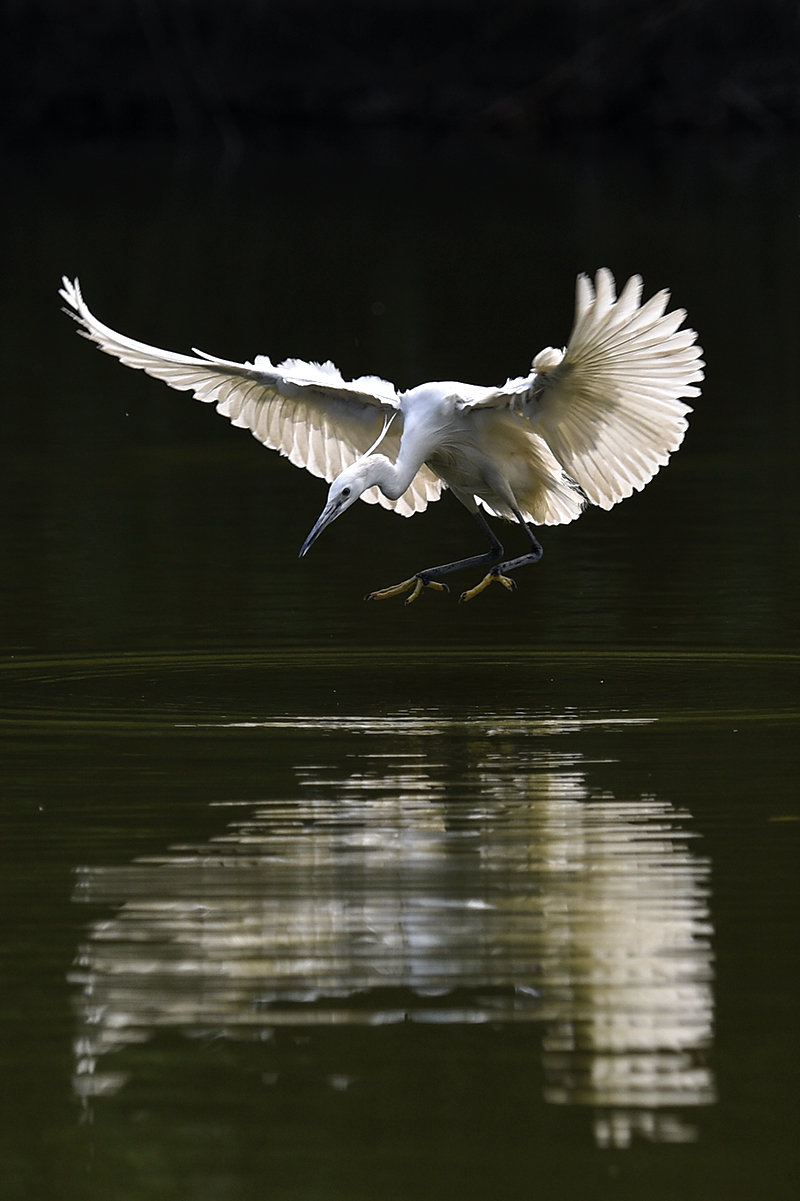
<point x="436" y="585"/>
<point x="471" y="593"/>
<point x="414" y="586"/>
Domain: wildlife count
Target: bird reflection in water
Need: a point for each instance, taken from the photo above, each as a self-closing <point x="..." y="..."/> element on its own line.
<point x="384" y="891"/>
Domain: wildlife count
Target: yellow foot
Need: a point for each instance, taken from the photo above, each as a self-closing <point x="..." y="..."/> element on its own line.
<point x="505" y="580"/>
<point x="414" y="586"/>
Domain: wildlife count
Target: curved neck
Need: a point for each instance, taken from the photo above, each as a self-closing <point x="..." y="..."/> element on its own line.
<point x="393" y="478"/>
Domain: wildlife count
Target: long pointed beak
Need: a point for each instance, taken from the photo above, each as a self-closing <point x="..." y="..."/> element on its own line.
<point x="328" y="515"/>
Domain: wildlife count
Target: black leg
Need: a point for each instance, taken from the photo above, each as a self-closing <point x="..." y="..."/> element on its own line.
<point x="499" y="571"/>
<point x="429" y="577"/>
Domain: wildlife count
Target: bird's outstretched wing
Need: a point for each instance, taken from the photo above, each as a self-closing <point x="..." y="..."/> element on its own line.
<point x="610" y="405"/>
<point x="307" y="411"/>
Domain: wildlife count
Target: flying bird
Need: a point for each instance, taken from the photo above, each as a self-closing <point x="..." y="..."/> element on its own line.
<point x="589" y="424"/>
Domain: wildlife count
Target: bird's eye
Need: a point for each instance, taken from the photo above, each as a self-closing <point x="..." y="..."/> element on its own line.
<point x="345" y="491"/>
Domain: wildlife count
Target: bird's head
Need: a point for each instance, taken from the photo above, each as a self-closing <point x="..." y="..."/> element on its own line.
<point x="343" y="492"/>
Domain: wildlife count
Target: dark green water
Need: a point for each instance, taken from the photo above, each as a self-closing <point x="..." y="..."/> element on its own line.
<point x="318" y="899"/>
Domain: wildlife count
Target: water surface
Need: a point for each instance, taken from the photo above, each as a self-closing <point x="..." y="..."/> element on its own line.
<point x="314" y="898"/>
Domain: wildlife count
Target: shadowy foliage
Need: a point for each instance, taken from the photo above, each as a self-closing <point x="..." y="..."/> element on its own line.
<point x="194" y="69"/>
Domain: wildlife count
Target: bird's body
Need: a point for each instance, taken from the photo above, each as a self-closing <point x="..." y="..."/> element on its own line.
<point x="591" y="423"/>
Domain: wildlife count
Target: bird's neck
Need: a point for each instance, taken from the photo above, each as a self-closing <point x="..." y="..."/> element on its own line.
<point x="393" y="478"/>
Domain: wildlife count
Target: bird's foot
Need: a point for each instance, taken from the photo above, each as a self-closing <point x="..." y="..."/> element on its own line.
<point x="505" y="580"/>
<point x="413" y="586"/>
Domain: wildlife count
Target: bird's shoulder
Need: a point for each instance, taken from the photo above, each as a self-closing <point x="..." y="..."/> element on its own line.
<point x="445" y="396"/>
<point x="325" y="377"/>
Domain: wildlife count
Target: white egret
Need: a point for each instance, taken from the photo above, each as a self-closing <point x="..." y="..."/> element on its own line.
<point x="588" y="424"/>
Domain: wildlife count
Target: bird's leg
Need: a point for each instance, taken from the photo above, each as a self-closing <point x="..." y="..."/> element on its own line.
<point x="499" y="571"/>
<point x="429" y="577"/>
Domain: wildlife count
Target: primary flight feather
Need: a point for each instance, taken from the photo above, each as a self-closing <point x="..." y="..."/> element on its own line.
<point x="592" y="422"/>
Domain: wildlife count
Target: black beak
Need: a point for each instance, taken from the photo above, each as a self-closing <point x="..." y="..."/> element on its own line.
<point x="328" y="515"/>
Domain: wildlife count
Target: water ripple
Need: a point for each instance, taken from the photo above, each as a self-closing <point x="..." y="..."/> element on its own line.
<point x="241" y="690"/>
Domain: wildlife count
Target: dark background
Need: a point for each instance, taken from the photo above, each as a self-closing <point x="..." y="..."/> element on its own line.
<point x="407" y="189"/>
<point x="552" y="69"/>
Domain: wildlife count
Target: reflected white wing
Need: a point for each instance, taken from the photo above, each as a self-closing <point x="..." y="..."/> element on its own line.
<point x="609" y="406"/>
<point x="306" y="411"/>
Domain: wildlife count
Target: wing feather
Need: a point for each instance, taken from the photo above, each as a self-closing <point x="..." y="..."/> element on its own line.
<point x="306" y="411"/>
<point x="611" y="405"/>
<point x="612" y="411"/>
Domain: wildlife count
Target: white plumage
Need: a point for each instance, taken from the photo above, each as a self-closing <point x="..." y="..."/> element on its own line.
<point x="593" y="422"/>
